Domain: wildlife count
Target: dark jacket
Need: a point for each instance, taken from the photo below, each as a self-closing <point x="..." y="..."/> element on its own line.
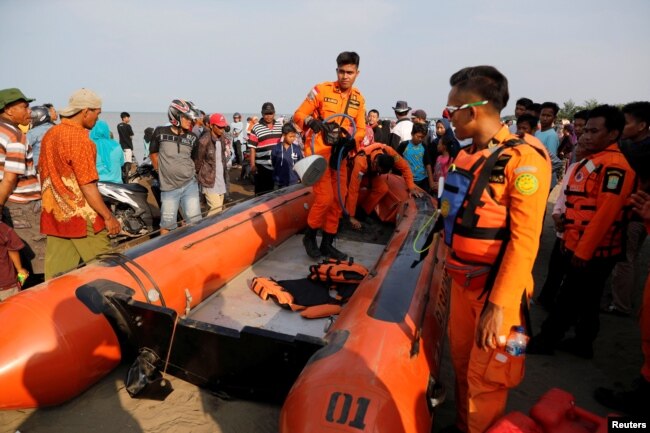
<point x="205" y="160"/>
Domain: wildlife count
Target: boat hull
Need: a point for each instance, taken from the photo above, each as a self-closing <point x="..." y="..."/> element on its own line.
<point x="60" y="342"/>
<point x="377" y="373"/>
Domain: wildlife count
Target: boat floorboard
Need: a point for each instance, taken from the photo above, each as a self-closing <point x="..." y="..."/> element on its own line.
<point x="235" y="305"/>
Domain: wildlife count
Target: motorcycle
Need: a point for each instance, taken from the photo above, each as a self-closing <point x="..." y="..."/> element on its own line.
<point x="128" y="202"/>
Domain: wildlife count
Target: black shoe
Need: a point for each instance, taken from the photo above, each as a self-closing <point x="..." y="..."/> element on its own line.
<point x="614" y="311"/>
<point x="328" y="250"/>
<point x="451" y="429"/>
<point x="539" y="346"/>
<point x="636" y="401"/>
<point x="309" y="241"/>
<point x="576" y="347"/>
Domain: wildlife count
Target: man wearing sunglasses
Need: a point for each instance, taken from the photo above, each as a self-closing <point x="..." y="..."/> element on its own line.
<point x="493" y="205"/>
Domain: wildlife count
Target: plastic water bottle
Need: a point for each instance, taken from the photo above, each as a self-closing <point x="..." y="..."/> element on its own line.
<point x="516" y="342"/>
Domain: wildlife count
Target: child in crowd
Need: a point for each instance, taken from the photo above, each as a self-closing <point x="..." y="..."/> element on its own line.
<point x="284" y="155"/>
<point x="527" y="124"/>
<point x="10" y="264"/>
<point x="417" y="157"/>
<point x="443" y="162"/>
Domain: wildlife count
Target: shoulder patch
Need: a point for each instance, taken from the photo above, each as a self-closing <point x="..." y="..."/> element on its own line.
<point x="312" y="94"/>
<point x="613" y="180"/>
<point x="526" y="184"/>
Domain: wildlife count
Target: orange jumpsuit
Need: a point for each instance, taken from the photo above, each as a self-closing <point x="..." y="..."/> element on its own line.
<point x="378" y="184"/>
<point x="322" y="101"/>
<point x="645" y="326"/>
<point x="518" y="186"/>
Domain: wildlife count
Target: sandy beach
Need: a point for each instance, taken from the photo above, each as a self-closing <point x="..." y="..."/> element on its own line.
<point x="107" y="407"/>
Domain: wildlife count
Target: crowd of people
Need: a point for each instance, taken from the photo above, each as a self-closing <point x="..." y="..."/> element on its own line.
<point x="492" y="179"/>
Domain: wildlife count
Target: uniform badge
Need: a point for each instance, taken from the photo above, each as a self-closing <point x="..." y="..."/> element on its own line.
<point x="444" y="208"/>
<point x="526" y="184"/>
<point x="613" y="181"/>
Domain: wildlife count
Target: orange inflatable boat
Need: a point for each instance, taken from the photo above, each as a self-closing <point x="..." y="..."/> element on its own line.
<point x="55" y="345"/>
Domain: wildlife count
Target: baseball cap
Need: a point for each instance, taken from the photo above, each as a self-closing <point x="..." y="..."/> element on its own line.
<point x="7" y="96"/>
<point x="81" y="99"/>
<point x="268" y="108"/>
<point x="218" y="119"/>
<point x="420" y="114"/>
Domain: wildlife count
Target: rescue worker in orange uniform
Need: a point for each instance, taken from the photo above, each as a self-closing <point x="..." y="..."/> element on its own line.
<point x="594" y="231"/>
<point x="369" y="165"/>
<point x="493" y="205"/>
<point x="324" y="100"/>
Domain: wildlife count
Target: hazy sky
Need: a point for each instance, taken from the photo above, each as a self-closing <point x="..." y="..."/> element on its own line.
<point x="234" y="55"/>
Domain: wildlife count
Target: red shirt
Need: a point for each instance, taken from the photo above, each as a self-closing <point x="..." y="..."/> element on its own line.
<point x="9" y="241"/>
<point x="67" y="161"/>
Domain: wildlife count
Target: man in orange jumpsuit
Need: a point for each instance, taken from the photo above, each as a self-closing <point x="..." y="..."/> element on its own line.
<point x="369" y="164"/>
<point x="493" y="205"/>
<point x="324" y="100"/>
<point x="597" y="191"/>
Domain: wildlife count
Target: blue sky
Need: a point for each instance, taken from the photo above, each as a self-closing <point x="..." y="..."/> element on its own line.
<point x="234" y="55"/>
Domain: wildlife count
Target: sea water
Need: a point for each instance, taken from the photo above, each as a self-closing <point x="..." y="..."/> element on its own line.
<point x="141" y="121"/>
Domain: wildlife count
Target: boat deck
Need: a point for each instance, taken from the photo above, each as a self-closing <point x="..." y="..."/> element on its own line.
<point x="236" y="306"/>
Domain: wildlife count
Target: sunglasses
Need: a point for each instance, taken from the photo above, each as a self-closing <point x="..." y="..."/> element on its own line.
<point x="451" y="109"/>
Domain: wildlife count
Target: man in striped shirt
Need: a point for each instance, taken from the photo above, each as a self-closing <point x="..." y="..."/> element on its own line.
<point x="20" y="190"/>
<point x="261" y="140"/>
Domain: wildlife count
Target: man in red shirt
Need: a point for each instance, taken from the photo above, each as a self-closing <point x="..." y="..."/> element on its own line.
<point x="74" y="217"/>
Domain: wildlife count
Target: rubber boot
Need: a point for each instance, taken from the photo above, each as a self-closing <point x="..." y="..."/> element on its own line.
<point x="328" y="250"/>
<point x="309" y="241"/>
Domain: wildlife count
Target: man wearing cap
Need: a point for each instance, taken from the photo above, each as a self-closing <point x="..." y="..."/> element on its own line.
<point x="239" y="136"/>
<point x="20" y="191"/>
<point x="210" y="162"/>
<point x="402" y="129"/>
<point x="261" y="140"/>
<point x="74" y="217"/>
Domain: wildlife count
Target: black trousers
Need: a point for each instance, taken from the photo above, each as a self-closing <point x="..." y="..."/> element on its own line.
<point x="578" y="301"/>
<point x="263" y="180"/>
<point x="557" y="268"/>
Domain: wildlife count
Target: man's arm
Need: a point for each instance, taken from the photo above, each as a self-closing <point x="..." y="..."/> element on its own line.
<point x="154" y="160"/>
<point x="7" y="186"/>
<point x="94" y="199"/>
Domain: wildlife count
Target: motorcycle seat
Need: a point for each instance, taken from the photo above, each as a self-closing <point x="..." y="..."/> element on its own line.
<point x="133" y="187"/>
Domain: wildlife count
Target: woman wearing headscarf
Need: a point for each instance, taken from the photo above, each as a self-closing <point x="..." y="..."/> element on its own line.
<point x="110" y="157"/>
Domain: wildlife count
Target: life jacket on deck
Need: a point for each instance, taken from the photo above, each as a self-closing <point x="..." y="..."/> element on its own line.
<point x="311" y="296"/>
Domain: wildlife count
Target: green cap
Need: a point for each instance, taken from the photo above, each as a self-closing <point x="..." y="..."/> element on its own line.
<point x="7" y="96"/>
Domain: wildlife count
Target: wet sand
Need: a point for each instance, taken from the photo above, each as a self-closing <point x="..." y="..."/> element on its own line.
<point x="107" y="407"/>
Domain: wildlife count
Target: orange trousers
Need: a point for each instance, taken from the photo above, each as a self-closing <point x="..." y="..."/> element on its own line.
<point x="378" y="189"/>
<point x="645" y="330"/>
<point x="482" y="377"/>
<point x="326" y="210"/>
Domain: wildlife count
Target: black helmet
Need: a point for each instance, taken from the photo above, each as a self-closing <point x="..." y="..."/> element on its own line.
<point x="179" y="108"/>
<point x="40" y="115"/>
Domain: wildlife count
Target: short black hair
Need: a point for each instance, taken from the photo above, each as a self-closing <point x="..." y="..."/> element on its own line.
<point x="374" y="111"/>
<point x="419" y="127"/>
<point x="582" y="114"/>
<point x="526" y="102"/>
<point x="640" y="110"/>
<point x="347" y="58"/>
<point x="287" y="128"/>
<point x="385" y="162"/>
<point x="528" y="118"/>
<point x="124" y="114"/>
<point x="552" y="105"/>
<point x="484" y="81"/>
<point x="48" y="105"/>
<point x="614" y="118"/>
<point x="535" y="107"/>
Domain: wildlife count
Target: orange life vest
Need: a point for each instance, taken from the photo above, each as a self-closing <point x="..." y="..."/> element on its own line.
<point x="476" y="226"/>
<point x="591" y="177"/>
<point x="337" y="271"/>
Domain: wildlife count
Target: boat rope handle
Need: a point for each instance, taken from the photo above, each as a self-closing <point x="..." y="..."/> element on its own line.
<point x="434" y="216"/>
<point x="122" y="260"/>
